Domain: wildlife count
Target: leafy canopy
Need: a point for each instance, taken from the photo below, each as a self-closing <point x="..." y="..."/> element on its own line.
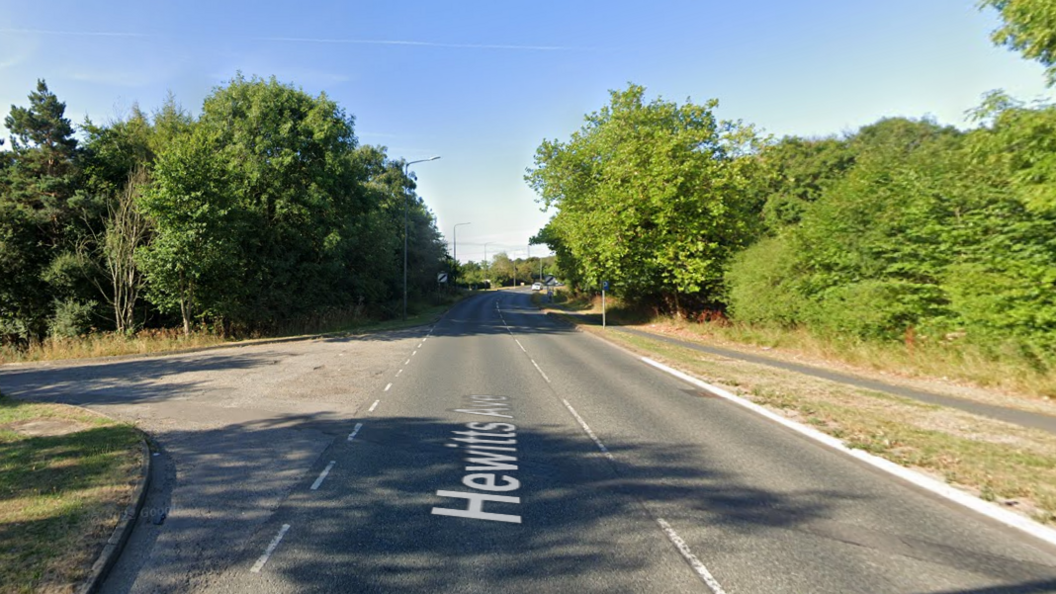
<point x="651" y="196"/>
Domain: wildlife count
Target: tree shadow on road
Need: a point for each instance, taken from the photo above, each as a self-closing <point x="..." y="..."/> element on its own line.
<point x="370" y="526"/>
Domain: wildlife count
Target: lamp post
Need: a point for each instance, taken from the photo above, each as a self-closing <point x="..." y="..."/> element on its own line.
<point x="454" y="243"/>
<point x="407" y="173"/>
<point x="454" y="239"/>
<point x="487" y="264"/>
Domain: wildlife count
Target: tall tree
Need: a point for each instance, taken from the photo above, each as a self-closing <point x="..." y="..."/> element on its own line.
<point x="191" y="258"/>
<point x="42" y="176"/>
<point x="37" y="182"/>
<point x="125" y="230"/>
<point x="652" y="196"/>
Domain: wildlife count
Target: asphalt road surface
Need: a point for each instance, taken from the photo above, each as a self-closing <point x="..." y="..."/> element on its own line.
<point x="500" y="451"/>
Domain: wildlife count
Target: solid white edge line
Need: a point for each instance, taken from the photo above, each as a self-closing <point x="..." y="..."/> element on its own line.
<point x="697" y="565"/>
<point x="387" y="386"/>
<point x="271" y="549"/>
<point x="373" y="406"/>
<point x="352" y="435"/>
<point x="590" y="432"/>
<point x="540" y="371"/>
<point x="924" y="482"/>
<point x="322" y="475"/>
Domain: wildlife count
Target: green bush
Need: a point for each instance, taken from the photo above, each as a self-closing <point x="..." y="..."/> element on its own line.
<point x="72" y="318"/>
<point x="761" y="285"/>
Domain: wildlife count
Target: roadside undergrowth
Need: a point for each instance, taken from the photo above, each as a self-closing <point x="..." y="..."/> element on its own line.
<point x="1005" y="369"/>
<point x="167" y="340"/>
<point x="1001" y="368"/>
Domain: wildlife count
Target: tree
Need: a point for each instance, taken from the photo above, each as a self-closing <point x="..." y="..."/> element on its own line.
<point x="191" y="259"/>
<point x="125" y="230"/>
<point x="794" y="172"/>
<point x="1029" y="28"/>
<point x="37" y="181"/>
<point x="652" y="196"/>
<point x="502" y="269"/>
<point x="43" y="173"/>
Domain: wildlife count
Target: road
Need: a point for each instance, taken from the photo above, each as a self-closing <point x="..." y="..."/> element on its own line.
<point x="500" y="451"/>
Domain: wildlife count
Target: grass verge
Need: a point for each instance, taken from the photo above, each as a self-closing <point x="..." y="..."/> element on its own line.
<point x="66" y="475"/>
<point x="1006" y="370"/>
<point x="153" y="341"/>
<point x="997" y="461"/>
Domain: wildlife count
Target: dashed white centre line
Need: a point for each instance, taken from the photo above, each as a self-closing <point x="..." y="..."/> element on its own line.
<point x="373" y="406"/>
<point x="694" y="562"/>
<point x="414" y="353"/>
<point x="322" y="475"/>
<point x="387" y="386"/>
<point x="583" y="424"/>
<point x="540" y="371"/>
<point x="519" y="344"/>
<point x="355" y="430"/>
<point x="407" y="362"/>
<point x="398" y="373"/>
<point x="697" y="565"/>
<point x="271" y="549"/>
<point x="420" y="344"/>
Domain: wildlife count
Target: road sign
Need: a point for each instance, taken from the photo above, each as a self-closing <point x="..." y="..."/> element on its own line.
<point x="441" y="277"/>
<point x="604" y="285"/>
<point x="550" y="281"/>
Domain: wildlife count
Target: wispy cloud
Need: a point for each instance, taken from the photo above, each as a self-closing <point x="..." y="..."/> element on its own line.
<point x="73" y="33"/>
<point x="320" y="40"/>
<point x="404" y="42"/>
<point x="13" y="61"/>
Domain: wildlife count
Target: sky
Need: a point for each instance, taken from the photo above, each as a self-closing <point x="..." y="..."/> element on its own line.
<point x="483" y="83"/>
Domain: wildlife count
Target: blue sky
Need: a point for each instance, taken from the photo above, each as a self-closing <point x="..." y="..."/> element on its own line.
<point x="483" y="83"/>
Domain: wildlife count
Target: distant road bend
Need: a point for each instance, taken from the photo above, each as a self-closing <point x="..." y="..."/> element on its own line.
<point x="501" y="451"/>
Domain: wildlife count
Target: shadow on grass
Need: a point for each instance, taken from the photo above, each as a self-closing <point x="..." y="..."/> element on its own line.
<point x="59" y="495"/>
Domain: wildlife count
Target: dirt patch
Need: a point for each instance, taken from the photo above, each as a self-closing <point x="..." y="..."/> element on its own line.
<point x="45" y="427"/>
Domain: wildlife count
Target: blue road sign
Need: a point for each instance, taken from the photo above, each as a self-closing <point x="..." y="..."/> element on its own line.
<point x="604" y="285"/>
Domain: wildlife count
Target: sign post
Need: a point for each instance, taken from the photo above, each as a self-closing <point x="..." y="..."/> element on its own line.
<point x="604" y="287"/>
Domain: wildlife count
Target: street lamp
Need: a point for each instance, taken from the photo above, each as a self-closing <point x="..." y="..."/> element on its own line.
<point x="454" y="239"/>
<point x="407" y="173"/>
<point x="487" y="264"/>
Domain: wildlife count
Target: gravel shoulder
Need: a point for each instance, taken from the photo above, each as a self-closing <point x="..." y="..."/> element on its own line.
<point x="236" y="429"/>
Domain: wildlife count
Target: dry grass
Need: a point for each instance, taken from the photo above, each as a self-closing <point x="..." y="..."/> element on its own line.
<point x="108" y="344"/>
<point x="149" y="341"/>
<point x="963" y="362"/>
<point x="992" y="459"/>
<point x="65" y="477"/>
<point x="1005" y="370"/>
